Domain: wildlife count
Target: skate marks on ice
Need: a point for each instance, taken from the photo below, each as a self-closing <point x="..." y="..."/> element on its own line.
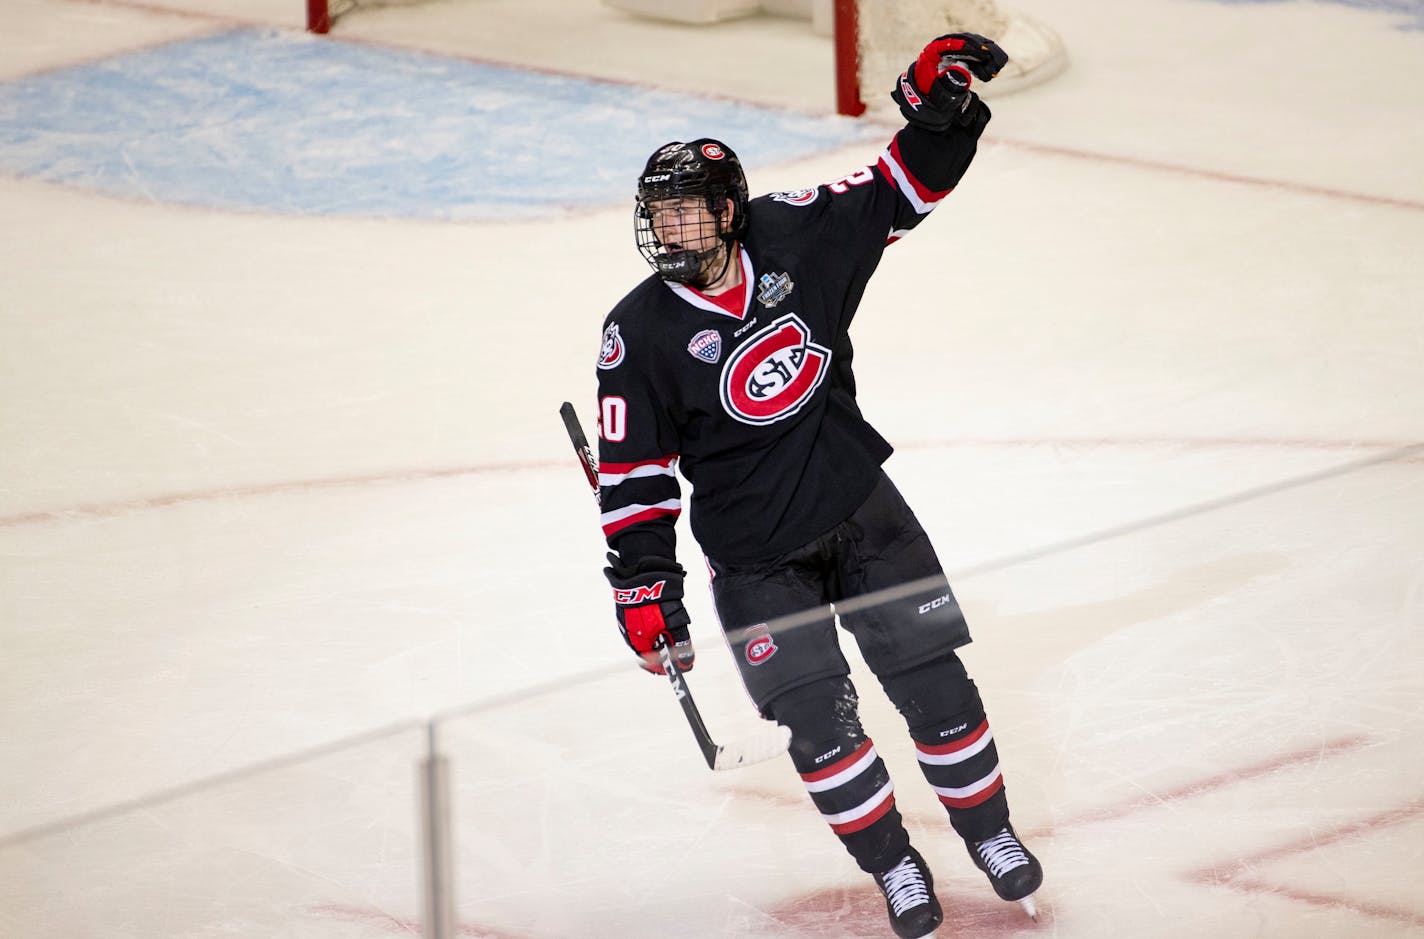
<point x="1289" y="867"/>
<point x="1284" y="869"/>
<point x="856" y="913"/>
<point x="1270" y="871"/>
<point x="389" y="923"/>
<point x="1061" y="632"/>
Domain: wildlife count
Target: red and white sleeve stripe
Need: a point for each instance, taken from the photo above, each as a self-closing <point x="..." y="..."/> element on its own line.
<point x="616" y="520"/>
<point x="611" y="474"/>
<point x="921" y="198"/>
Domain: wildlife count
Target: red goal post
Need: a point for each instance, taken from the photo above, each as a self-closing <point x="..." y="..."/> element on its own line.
<point x="318" y="16"/>
<point x="873" y="39"/>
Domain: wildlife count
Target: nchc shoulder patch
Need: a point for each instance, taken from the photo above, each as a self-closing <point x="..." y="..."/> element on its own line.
<point x="707" y="346"/>
<point x="612" y="353"/>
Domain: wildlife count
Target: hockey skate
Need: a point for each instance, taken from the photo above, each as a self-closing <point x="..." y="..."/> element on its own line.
<point x="909" y="897"/>
<point x="1012" y="871"/>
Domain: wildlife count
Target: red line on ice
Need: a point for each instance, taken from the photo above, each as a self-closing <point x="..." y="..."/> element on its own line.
<point x="150" y="503"/>
<point x="1214" y="783"/>
<point x="130" y="506"/>
<point x="1231" y="874"/>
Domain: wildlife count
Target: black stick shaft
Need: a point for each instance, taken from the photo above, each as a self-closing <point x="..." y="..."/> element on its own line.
<point x="679" y="683"/>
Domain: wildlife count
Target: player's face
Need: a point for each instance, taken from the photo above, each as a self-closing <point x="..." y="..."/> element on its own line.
<point x="684" y="223"/>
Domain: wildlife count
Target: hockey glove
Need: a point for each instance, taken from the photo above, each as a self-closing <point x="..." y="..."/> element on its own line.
<point x="980" y="55"/>
<point x="934" y="93"/>
<point x="648" y="598"/>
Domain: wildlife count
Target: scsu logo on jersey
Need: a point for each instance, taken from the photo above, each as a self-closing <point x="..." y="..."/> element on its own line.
<point x="613" y="351"/>
<point x="774" y="373"/>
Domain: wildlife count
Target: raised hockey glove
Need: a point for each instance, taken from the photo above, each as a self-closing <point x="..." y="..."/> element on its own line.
<point x="982" y="56"/>
<point x="934" y="91"/>
<point x="648" y="599"/>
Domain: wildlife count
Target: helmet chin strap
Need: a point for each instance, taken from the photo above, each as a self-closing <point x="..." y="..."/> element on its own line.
<point x="724" y="246"/>
<point x="686" y="266"/>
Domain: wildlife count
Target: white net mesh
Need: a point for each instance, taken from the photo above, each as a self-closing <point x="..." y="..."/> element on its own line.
<point x="889" y="33"/>
<point x="892" y="33"/>
<point x="339" y="8"/>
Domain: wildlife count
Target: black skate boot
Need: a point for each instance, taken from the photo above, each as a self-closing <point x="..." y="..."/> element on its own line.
<point x="909" y="897"/>
<point x="1013" y="872"/>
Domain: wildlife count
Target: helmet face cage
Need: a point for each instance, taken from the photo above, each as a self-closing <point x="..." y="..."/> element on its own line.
<point x="703" y="169"/>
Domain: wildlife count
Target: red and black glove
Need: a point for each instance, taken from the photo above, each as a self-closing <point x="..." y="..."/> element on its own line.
<point x="982" y="56"/>
<point x="933" y="92"/>
<point x="648" y="598"/>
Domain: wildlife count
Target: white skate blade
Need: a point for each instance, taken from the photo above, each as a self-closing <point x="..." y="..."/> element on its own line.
<point x="1029" y="907"/>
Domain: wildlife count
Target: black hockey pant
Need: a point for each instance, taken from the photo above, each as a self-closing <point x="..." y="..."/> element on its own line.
<point x="879" y="573"/>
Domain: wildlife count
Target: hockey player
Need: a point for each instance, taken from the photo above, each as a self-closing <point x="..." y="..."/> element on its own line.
<point x="733" y="360"/>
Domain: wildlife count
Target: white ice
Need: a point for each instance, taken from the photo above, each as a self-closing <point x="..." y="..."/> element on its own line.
<point x="276" y="490"/>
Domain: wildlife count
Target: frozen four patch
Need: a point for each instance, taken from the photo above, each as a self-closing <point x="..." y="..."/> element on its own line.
<point x="774" y="288"/>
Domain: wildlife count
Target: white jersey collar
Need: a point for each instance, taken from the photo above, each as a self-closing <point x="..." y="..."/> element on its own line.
<point x="703" y="302"/>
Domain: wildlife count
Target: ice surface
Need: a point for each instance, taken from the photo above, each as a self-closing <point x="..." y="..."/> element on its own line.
<point x="277" y="486"/>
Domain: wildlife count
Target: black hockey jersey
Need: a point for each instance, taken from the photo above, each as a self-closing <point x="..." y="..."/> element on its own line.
<point x="757" y="406"/>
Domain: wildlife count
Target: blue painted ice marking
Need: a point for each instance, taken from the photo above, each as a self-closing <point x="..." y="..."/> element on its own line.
<point x="270" y="121"/>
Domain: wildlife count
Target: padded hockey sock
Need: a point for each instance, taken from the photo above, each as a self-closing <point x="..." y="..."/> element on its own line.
<point x="954" y="744"/>
<point x="845" y="777"/>
<point x="962" y="765"/>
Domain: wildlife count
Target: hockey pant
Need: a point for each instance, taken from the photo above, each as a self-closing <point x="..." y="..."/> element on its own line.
<point x="796" y="674"/>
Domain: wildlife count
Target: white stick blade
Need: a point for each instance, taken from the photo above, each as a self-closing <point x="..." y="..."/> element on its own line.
<point x="766" y="744"/>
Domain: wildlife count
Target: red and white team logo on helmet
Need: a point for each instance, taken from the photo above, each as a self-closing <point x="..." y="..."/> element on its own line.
<point x="760" y="645"/>
<point x="713" y="152"/>
<point x="612" y="353"/>
<point x="773" y="374"/>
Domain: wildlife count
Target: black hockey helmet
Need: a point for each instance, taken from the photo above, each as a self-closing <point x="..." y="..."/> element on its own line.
<point x="702" y="168"/>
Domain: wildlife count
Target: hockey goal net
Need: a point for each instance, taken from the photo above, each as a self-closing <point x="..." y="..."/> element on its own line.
<point x="874" y="39"/>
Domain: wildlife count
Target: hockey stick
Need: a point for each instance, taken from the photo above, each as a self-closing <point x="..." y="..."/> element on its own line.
<point x="760" y="746"/>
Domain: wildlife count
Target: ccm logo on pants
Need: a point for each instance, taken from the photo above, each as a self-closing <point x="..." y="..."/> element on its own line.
<point x="934" y="604"/>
